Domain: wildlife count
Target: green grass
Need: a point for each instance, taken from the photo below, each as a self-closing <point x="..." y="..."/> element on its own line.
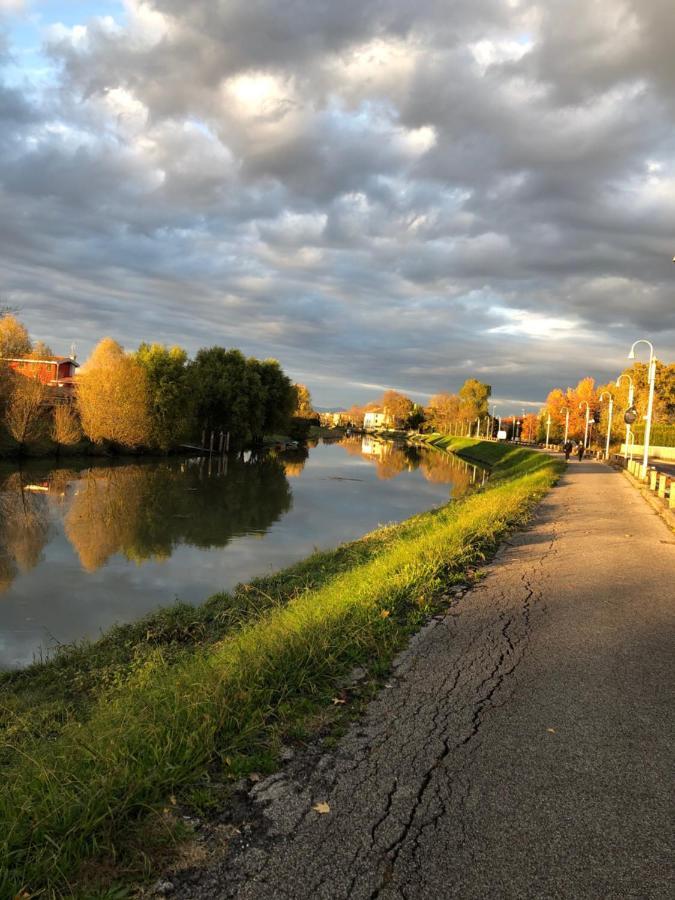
<point x="97" y="741"/>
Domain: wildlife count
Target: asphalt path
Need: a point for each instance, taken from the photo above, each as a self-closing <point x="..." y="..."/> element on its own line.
<point x="522" y="746"/>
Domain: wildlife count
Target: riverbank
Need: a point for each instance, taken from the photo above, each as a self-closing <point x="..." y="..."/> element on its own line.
<point x="101" y="743"/>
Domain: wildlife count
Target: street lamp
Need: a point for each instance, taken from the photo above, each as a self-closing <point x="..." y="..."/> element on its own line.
<point x="650" y="403"/>
<point x="548" y="429"/>
<point x="587" y="417"/>
<point x="609" y="419"/>
<point x="632" y="444"/>
<point x="567" y="421"/>
<point x="630" y="403"/>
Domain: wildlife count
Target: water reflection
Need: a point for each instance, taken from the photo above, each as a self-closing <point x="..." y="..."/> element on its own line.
<point x="24" y="527"/>
<point x="141" y="511"/>
<point x="93" y="544"/>
<point x="391" y="459"/>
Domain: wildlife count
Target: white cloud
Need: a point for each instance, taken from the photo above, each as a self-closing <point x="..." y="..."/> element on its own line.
<point x="522" y="322"/>
<point x="492" y="52"/>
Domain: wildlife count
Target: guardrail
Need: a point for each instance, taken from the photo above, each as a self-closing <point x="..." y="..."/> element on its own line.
<point x="661" y="484"/>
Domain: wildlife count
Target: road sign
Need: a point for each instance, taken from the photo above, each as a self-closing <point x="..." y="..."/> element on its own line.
<point x="630" y="416"/>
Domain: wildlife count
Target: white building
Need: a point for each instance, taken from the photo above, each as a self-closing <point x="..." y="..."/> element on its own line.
<point x="373" y="420"/>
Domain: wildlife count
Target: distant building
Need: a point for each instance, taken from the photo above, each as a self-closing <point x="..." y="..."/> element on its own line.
<point x="54" y="371"/>
<point x="375" y="419"/>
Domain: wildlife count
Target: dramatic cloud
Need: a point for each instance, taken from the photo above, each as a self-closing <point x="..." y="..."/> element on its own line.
<point x="377" y="192"/>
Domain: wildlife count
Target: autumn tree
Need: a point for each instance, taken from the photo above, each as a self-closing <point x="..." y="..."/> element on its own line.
<point x="25" y="414"/>
<point x="443" y="412"/>
<point x="303" y="408"/>
<point x="556" y="407"/>
<point x="14" y="339"/>
<point x="40" y="350"/>
<point x="354" y="415"/>
<point x="169" y="395"/>
<point x="474" y="396"/>
<point x="113" y="397"/>
<point x="66" y="429"/>
<point x="530" y="427"/>
<point x="664" y="390"/>
<point x="6" y="384"/>
<point x="397" y="407"/>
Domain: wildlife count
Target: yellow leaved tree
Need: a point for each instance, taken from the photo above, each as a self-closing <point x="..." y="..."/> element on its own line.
<point x="113" y="397"/>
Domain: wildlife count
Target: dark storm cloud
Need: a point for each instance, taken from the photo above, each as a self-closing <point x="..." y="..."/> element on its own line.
<point x="378" y="193"/>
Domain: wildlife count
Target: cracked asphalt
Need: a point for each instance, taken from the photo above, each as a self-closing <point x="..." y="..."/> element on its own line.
<point x="522" y="747"/>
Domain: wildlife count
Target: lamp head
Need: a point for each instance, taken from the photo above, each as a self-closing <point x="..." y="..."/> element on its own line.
<point x="631" y="355"/>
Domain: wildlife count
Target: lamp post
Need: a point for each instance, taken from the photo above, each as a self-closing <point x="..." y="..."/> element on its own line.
<point x="632" y="444"/>
<point x="478" y="427"/>
<point x="630" y="403"/>
<point x="567" y="421"/>
<point x="548" y="429"/>
<point x="587" y="417"/>
<point x="650" y="402"/>
<point x="609" y="419"/>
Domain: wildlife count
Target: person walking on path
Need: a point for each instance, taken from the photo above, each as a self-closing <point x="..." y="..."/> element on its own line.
<point x="580" y="451"/>
<point x="567" y="450"/>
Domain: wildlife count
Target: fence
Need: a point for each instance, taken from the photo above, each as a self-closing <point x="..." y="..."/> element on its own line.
<point x="660" y="483"/>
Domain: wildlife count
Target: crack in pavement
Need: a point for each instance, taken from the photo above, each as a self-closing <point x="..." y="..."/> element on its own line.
<point x="480" y="773"/>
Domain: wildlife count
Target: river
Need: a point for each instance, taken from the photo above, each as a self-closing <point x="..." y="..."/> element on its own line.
<point x="89" y="544"/>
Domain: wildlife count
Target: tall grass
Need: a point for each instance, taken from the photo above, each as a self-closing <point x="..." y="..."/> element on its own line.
<point x="67" y="799"/>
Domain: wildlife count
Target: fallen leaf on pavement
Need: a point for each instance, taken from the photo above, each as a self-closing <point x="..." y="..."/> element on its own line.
<point x="321" y="807"/>
<point x="337" y="701"/>
<point x="551" y="730"/>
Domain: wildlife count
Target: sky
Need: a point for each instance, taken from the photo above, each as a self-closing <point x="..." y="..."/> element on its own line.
<point x="378" y="193"/>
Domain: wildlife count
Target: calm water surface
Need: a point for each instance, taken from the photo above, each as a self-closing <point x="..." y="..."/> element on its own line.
<point x="85" y="546"/>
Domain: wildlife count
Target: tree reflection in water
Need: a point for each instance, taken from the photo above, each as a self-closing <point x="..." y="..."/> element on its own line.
<point x="145" y="510"/>
<point x="144" y="513"/>
<point x="24" y="526"/>
<point x="294" y="461"/>
<point x="391" y="459"/>
<point x="141" y="511"/>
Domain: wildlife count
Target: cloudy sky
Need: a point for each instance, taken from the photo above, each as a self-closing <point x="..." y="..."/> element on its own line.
<point x="379" y="193"/>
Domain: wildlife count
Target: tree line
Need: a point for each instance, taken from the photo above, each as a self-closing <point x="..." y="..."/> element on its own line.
<point x="574" y="399"/>
<point x="155" y="398"/>
<point x="445" y="412"/>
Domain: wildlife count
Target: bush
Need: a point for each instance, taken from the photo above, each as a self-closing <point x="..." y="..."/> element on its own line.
<point x="662" y="435"/>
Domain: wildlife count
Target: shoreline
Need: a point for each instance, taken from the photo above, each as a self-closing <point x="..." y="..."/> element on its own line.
<point x="153" y="707"/>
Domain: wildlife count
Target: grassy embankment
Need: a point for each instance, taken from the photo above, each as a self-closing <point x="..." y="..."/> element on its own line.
<point x="100" y="740"/>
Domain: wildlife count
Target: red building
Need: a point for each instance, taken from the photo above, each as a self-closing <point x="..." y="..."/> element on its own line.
<point x="55" y="371"/>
